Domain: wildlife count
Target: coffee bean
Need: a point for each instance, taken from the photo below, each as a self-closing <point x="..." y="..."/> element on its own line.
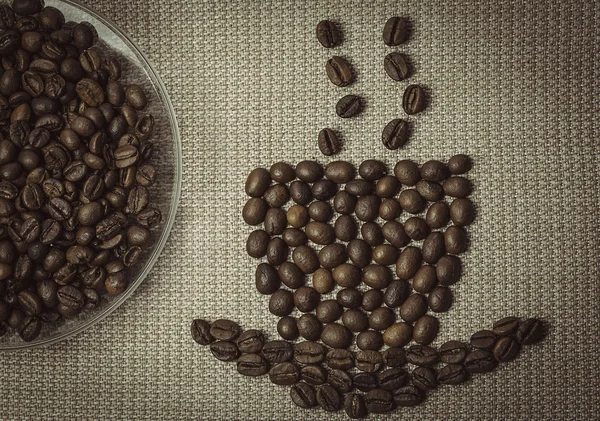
<point x="455" y="240"/>
<point x="422" y="355"/>
<point x="313" y="374"/>
<point x="345" y="274"/>
<point x="31" y="304"/>
<point x="285" y="373"/>
<point x="252" y="365"/>
<point x="323" y="281"/>
<point x="462" y="212"/>
<point x="258" y="182"/>
<point x="413" y="308"/>
<point x="413" y="100"/>
<point x="448" y="270"/>
<point x="266" y="279"/>
<point x="340" y="359"/>
<point x="339" y="71"/>
<point x="506" y="326"/>
<point x="430" y="190"/>
<point x="345" y="228"/>
<point x="396" y="66"/>
<point x="381" y="318"/>
<point x="395" y="234"/>
<point x="355" y="320"/>
<point x="309" y="352"/>
<point x="483" y="339"/>
<point x="398" y="334"/>
<point x="277" y="351"/>
<point x="309" y="327"/>
<point x="530" y="331"/>
<point x="395" y="31"/>
<point x="408" y="396"/>
<point x="372" y="299"/>
<point x="282" y="172"/>
<point x="385" y="254"/>
<point x="309" y="171"/>
<point x="294" y="237"/>
<point x="396" y="293"/>
<point x="348" y="106"/>
<point x="506" y="349"/>
<point x="408" y="263"/>
<point x="389" y="209"/>
<point x="201" y="332"/>
<point x="453" y="352"/>
<point x="369" y="340"/>
<point x="355" y="406"/>
<point x="287" y="328"/>
<point x="434" y="171"/>
<point x="411" y="201"/>
<point x="328" y="142"/>
<point x="336" y="336"/>
<point x="281" y="303"/>
<point x="324" y="190"/>
<point x="328" y="34"/>
<point x="320" y="233"/>
<point x="303" y="395"/>
<point x="416" y="228"/>
<point x="480" y="361"/>
<point x="365" y="381"/>
<point x="306" y="259"/>
<point x="329" y="398"/>
<point x="224" y="350"/>
<point x="344" y="203"/>
<point x="359" y="187"/>
<point x="393" y="378"/>
<point x="340" y="172"/>
<point x="225" y="330"/>
<point x="70" y="297"/>
<point x="457" y="187"/>
<point x="275" y="221"/>
<point x="377" y="276"/>
<point x="459" y="164"/>
<point x="256" y="244"/>
<point x="30" y="328"/>
<point x="250" y="341"/>
<point x="306" y="299"/>
<point x="369" y="361"/>
<point x="379" y="401"/>
<point x="359" y="252"/>
<point x="340" y="380"/>
<point x="349" y="297"/>
<point x="372" y="234"/>
<point x="425" y="329"/>
<point x="277" y="195"/>
<point x="372" y="169"/>
<point x="290" y="275"/>
<point x="433" y="247"/>
<point x="452" y="374"/>
<point x="319" y="210"/>
<point x="424" y="378"/>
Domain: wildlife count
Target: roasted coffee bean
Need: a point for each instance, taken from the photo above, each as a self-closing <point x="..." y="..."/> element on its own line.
<point x="452" y="374"/>
<point x="290" y="275"/>
<point x="372" y="299"/>
<point x="313" y="374"/>
<point x="340" y="359"/>
<point x="408" y="263"/>
<point x="433" y="247"/>
<point x="377" y="276"/>
<point x="348" y="106"/>
<point x="398" y="334"/>
<point x="422" y="355"/>
<point x="396" y="66"/>
<point x="336" y="336"/>
<point x="281" y="303"/>
<point x="329" y="311"/>
<point x="349" y="297"/>
<point x="359" y="187"/>
<point x="459" y="164"/>
<point x="530" y="331"/>
<point x="323" y="281"/>
<point x="394" y="357"/>
<point x="306" y="299"/>
<point x="275" y="221"/>
<point x="30" y="328"/>
<point x="369" y="361"/>
<point x="287" y="328"/>
<point x="381" y="318"/>
<point x="479" y="361"/>
<point x="483" y="339"/>
<point x="345" y="228"/>
<point x="424" y="378"/>
<point x="355" y="406"/>
<point x="297" y="216"/>
<point x="70" y="297"/>
<point x="430" y="190"/>
<point x="448" y="270"/>
<point x="309" y="352"/>
<point x="416" y="228"/>
<point x="413" y="308"/>
<point x="355" y="320"/>
<point x="506" y="349"/>
<point x="328" y="141"/>
<point x="395" y="234"/>
<point x="323" y="190"/>
<point x="367" y="207"/>
<point x="30" y="303"/>
<point x="440" y="299"/>
<point x="250" y="341"/>
<point x="277" y="195"/>
<point x="457" y="187"/>
<point x="462" y="212"/>
<point x="434" y="171"/>
<point x="408" y="396"/>
<point x="387" y="186"/>
<point x="256" y="244"/>
<point x="309" y="327"/>
<point x="453" y="352"/>
<point x="90" y="92"/>
<point x="266" y="279"/>
<point x="282" y="172"/>
<point x="339" y="71"/>
<point x="340" y="172"/>
<point x="413" y="100"/>
<point x="455" y="240"/>
<point x="252" y="365"/>
<point x="390" y="209"/>
<point x="303" y="395"/>
<point x="393" y="378"/>
<point x="344" y="274"/>
<point x="309" y="171"/>
<point x="30" y="230"/>
<point x="359" y="252"/>
<point x="258" y="182"/>
<point x="395" y="31"/>
<point x="372" y="234"/>
<point x="225" y="330"/>
<point x="344" y="203"/>
<point x="224" y="350"/>
<point x="425" y="329"/>
<point x="379" y="401"/>
<point x="285" y="373"/>
<point x="294" y="237"/>
<point x="319" y="210"/>
<point x="320" y="233"/>
<point x="46" y="290"/>
<point x="277" y="351"/>
<point x="136" y="97"/>
<point x="438" y="216"/>
<point x="407" y="172"/>
<point x="255" y="211"/>
<point x="201" y="332"/>
<point x="506" y="326"/>
<point x="306" y="259"/>
<point x="369" y="340"/>
<point x="328" y="34"/>
<point x="365" y="381"/>
<point x="411" y="201"/>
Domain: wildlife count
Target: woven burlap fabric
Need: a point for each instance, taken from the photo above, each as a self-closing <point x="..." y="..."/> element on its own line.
<point x="513" y="84"/>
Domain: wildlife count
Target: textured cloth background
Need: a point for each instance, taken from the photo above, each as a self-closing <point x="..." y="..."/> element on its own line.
<point x="513" y="84"/>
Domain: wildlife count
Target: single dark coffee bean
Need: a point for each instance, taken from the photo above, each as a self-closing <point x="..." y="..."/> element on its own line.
<point x="328" y="311"/>
<point x="506" y="326"/>
<point x="303" y="395"/>
<point x="381" y="318"/>
<point x="320" y="210"/>
<point x="379" y="401"/>
<point x="424" y="378"/>
<point x="323" y="281"/>
<point x="452" y="374"/>
<point x="328" y="142"/>
<point x="329" y="398"/>
<point x="367" y="207"/>
<point x="395" y="31"/>
<point x="430" y="190"/>
<point x="340" y="359"/>
<point x="387" y="186"/>
<point x="287" y="328"/>
<point x="422" y="355"/>
<point x="340" y="172"/>
<point x="530" y="331"/>
<point x="396" y="66"/>
<point x="309" y="352"/>
<point x="30" y="328"/>
<point x="252" y="365"/>
<point x="250" y="341"/>
<point x="320" y="233"/>
<point x="457" y="187"/>
<point x="455" y="239"/>
<point x="395" y="234"/>
<point x="277" y="251"/>
<point x="355" y="320"/>
<point x="483" y="339"/>
<point x="266" y="279"/>
<point x="225" y="330"/>
<point x="462" y="212"/>
<point x="70" y="297"/>
<point x="281" y="303"/>
<point x="347" y="275"/>
<point x="30" y="302"/>
<point x="309" y="327"/>
<point x="294" y="237"/>
<point x="413" y="100"/>
<point x="369" y="340"/>
<point x="336" y="336"/>
<point x="407" y="172"/>
<point x="306" y="259"/>
<point x="365" y="381"/>
<point x="297" y="216"/>
<point x="359" y="252"/>
<point x="224" y="350"/>
<point x="390" y="209"/>
<point x="345" y="228"/>
<point x="425" y="329"/>
<point x="290" y="275"/>
<point x="411" y="201"/>
<point x="369" y="361"/>
<point x="201" y="332"/>
<point x="328" y="34"/>
<point x="372" y="299"/>
<point x="372" y="234"/>
<point x="355" y="406"/>
<point x="348" y="106"/>
<point x="425" y="281"/>
<point x="349" y="297"/>
<point x="277" y="195"/>
<point x="324" y="190"/>
<point x="285" y="373"/>
<point x="258" y="182"/>
<point x="416" y="228"/>
<point x="433" y="247"/>
<point x="448" y="270"/>
<point x="377" y="276"/>
<point x="394" y="357"/>
<point x="309" y="171"/>
<point x="413" y="308"/>
<point x="480" y="361"/>
<point x="453" y="352"/>
<point x="339" y="71"/>
<point x="408" y="396"/>
<point x="344" y="203"/>
<point x="393" y="378"/>
<point x="282" y="172"/>
<point x="506" y="349"/>
<point x="398" y="334"/>
<point x="434" y="171"/>
<point x="313" y="374"/>
<point x="459" y="164"/>
<point x="306" y="299"/>
<point x="277" y="351"/>
<point x="256" y="244"/>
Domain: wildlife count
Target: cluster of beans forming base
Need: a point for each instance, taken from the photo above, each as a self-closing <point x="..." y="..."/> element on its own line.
<point x="75" y="211"/>
<point x="333" y="378"/>
<point x="340" y="73"/>
<point x="380" y="254"/>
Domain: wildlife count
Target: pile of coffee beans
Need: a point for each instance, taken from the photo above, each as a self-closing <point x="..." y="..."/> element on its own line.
<point x="366" y="381"/>
<point x="75" y="210"/>
<point x="339" y="71"/>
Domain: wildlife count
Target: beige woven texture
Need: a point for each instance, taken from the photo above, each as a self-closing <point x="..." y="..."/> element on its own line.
<point x="513" y="84"/>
